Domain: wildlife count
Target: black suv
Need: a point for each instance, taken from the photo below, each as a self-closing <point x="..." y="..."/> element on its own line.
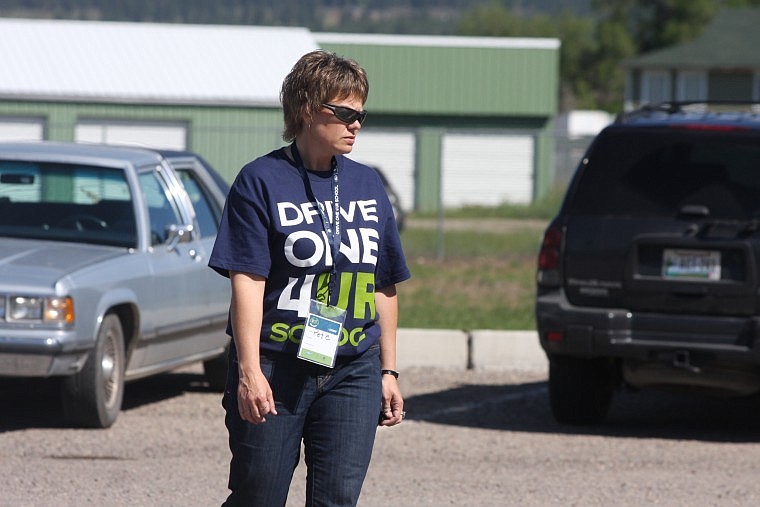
<point x="649" y="276"/>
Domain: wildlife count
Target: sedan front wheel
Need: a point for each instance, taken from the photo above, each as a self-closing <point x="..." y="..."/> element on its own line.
<point x="92" y="397"/>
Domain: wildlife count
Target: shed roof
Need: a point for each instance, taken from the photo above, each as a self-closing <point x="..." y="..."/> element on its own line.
<point x="438" y="41"/>
<point x="730" y="40"/>
<point x="147" y="62"/>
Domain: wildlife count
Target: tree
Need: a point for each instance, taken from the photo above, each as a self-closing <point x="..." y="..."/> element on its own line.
<point x="593" y="47"/>
<point x="490" y="20"/>
<point x="654" y="24"/>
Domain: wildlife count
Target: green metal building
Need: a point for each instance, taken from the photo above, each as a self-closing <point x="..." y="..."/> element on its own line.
<point x="453" y="120"/>
<point x="462" y="120"/>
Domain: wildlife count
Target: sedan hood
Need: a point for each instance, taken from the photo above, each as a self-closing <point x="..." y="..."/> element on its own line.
<point x="29" y="264"/>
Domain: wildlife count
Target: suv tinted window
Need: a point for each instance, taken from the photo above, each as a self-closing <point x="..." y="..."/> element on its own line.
<point x="659" y="171"/>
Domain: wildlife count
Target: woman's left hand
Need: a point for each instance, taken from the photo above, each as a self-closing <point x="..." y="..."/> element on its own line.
<point x="393" y="402"/>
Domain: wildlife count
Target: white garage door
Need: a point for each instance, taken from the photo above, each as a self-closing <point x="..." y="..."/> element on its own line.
<point x="487" y="169"/>
<point x="21" y="129"/>
<point x="394" y="153"/>
<point x="168" y="136"/>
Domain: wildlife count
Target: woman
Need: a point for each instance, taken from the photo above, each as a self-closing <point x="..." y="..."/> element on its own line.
<point x="313" y="313"/>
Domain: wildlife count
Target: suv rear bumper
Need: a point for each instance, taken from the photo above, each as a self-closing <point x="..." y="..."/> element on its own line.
<point x="716" y="353"/>
<point x="565" y="329"/>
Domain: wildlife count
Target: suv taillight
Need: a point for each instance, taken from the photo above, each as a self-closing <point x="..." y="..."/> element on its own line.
<point x="548" y="257"/>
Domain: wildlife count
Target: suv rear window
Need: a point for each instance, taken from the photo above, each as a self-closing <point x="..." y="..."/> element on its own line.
<point x="643" y="172"/>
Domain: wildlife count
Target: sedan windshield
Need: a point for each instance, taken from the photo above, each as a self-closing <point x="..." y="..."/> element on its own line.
<point x="66" y="202"/>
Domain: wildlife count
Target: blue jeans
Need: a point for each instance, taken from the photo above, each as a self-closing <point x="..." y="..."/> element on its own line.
<point x="334" y="410"/>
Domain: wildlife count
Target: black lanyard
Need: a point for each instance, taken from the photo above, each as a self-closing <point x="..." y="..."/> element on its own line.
<point x="332" y="231"/>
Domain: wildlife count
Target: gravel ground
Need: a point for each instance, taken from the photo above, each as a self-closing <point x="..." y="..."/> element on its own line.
<point x="473" y="438"/>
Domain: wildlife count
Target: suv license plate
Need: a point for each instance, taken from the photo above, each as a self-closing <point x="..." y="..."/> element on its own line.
<point x="691" y="264"/>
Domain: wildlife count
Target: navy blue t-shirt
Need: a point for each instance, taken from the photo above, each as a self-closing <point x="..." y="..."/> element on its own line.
<point x="270" y="227"/>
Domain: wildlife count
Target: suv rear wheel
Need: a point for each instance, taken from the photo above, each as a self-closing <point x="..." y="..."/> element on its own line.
<point x="580" y="390"/>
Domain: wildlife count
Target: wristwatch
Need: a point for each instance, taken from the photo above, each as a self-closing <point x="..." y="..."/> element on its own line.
<point x="389" y="372"/>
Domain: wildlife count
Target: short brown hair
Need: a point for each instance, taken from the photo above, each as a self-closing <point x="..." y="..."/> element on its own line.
<point x="316" y="78"/>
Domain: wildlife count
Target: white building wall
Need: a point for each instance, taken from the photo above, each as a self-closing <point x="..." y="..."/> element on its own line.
<point x="487" y="169"/>
<point x="393" y="152"/>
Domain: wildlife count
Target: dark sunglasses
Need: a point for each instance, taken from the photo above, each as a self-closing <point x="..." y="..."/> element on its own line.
<point x="346" y="114"/>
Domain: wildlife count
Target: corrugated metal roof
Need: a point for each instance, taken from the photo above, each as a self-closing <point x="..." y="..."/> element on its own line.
<point x="147" y="62"/>
<point x="438" y="41"/>
<point x="729" y="41"/>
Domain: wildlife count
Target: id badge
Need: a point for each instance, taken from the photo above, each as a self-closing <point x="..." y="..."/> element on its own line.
<point x="321" y="333"/>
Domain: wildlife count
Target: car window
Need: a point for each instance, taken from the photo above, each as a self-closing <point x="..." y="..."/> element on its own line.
<point x="206" y="210"/>
<point x="646" y="173"/>
<point x="162" y="210"/>
<point x="66" y="202"/>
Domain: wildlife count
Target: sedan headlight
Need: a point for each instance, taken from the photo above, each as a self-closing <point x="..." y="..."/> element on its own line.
<point x="50" y="310"/>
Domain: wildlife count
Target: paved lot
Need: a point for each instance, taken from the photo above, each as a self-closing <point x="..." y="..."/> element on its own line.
<point x="473" y="438"/>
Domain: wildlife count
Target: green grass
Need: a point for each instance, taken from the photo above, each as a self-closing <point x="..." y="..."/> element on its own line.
<point x="544" y="208"/>
<point x="472" y="279"/>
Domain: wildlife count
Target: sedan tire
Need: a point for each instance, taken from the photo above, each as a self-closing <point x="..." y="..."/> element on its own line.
<point x="93" y="396"/>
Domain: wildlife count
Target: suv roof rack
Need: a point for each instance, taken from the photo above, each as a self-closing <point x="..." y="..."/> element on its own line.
<point x="703" y="108"/>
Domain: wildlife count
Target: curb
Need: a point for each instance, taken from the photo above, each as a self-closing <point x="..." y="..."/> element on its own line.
<point x="478" y="349"/>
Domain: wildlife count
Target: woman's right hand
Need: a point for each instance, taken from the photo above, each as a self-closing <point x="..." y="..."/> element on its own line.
<point x="254" y="394"/>
<point x="255" y="398"/>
